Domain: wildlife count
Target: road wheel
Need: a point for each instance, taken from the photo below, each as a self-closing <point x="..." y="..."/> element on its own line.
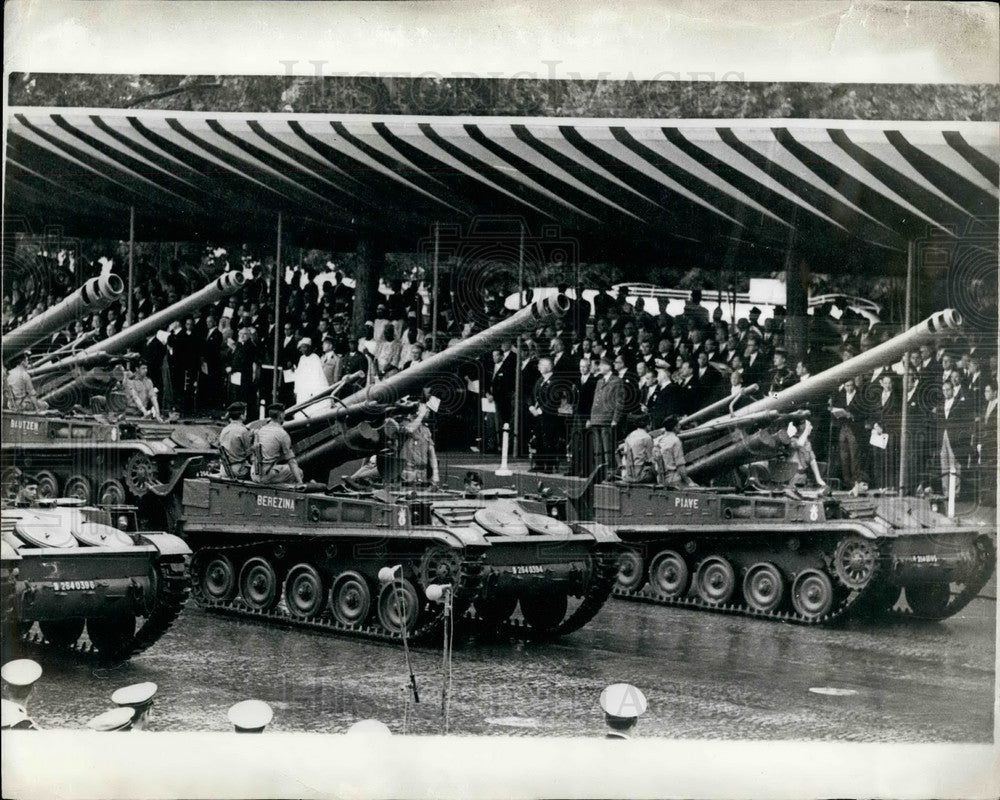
<point x="217" y="581"/>
<point x="929" y="600"/>
<point x="48" y="485"/>
<point x="543" y="612"/>
<point x="350" y="599"/>
<point x="812" y="594"/>
<point x="259" y="584"/>
<point x="763" y="587"/>
<point x="304" y="593"/>
<point x="496" y="609"/>
<point x="715" y="580"/>
<point x="61" y="632"/>
<point x="668" y="574"/>
<point x="398" y="606"/>
<point x="79" y="486"/>
<point x="111" y="493"/>
<point x="631" y="576"/>
<point x="111" y="635"/>
<point x="854" y="561"/>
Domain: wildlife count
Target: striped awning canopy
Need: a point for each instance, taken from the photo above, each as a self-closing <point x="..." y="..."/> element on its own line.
<point x="843" y="192"/>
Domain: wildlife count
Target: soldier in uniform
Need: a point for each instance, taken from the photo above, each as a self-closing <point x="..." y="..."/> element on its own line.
<point x="277" y="458"/>
<point x="250" y="716"/>
<point x="668" y="457"/>
<point x="19" y="677"/>
<point x="236" y="441"/>
<point x="117" y="719"/>
<point x="622" y="704"/>
<point x="637" y="453"/>
<point x="140" y="394"/>
<point x="139" y="698"/>
<point x="781" y="376"/>
<point x="20" y="389"/>
<point x="14" y="717"/>
<point x="420" y="464"/>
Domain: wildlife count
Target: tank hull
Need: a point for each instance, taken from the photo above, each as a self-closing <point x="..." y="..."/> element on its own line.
<point x="790" y="558"/>
<point x="100" y="461"/>
<point x="315" y="559"/>
<point x="125" y="596"/>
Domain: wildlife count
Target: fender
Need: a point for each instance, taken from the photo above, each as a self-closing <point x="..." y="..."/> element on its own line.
<point x="168" y="486"/>
<point x="167" y="544"/>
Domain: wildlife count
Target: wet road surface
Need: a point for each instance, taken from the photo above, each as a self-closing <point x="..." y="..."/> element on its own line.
<point x="706" y="676"/>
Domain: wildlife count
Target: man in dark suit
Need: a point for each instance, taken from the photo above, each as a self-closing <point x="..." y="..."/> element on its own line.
<point x="563" y="364"/>
<point x="707" y="382"/>
<point x="849" y="411"/>
<point x="546" y="398"/>
<point x="754" y="367"/>
<point x="663" y="401"/>
<point x="529" y="375"/>
<point x="583" y="401"/>
<point x="212" y="368"/>
<point x="501" y="384"/>
<point x="955" y="430"/>
<point x="606" y="413"/>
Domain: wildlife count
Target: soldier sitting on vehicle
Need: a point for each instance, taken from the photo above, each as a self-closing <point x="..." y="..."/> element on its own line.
<point x="140" y="394"/>
<point x="236" y="443"/>
<point x="668" y="456"/>
<point x="637" y="453"/>
<point x="276" y="460"/>
<point x="20" y="390"/>
<point x="802" y="455"/>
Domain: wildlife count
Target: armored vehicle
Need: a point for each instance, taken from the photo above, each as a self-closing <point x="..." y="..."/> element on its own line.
<point x="311" y="555"/>
<point x="747" y="546"/>
<point x="105" y="457"/>
<point x="68" y="567"/>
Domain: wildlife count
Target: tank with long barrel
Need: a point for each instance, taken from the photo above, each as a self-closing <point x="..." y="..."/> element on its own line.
<point x="747" y="432"/>
<point x="325" y="440"/>
<point x="134" y="336"/>
<point x="95" y="295"/>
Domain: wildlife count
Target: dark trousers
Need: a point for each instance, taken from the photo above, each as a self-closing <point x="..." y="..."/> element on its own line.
<point x="581" y="457"/>
<point x="850" y="460"/>
<point x="603" y="443"/>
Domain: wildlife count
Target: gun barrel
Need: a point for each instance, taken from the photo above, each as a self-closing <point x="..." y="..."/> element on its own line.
<point x="758" y="418"/>
<point x="824" y="383"/>
<point x="718" y="405"/>
<point x="742" y="450"/>
<point x="414" y="378"/>
<point x="95" y="295"/>
<point x="79" y="360"/>
<point x="135" y="335"/>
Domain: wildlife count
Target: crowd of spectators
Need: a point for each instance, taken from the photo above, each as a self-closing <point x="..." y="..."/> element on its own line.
<point x="578" y="385"/>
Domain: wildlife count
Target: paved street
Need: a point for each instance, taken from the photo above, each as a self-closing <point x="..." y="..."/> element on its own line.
<point x="706" y="676"/>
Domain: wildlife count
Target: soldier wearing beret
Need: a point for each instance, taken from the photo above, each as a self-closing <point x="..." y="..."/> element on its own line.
<point x="236" y="442"/>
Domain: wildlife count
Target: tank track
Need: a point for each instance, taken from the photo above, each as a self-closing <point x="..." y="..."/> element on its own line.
<point x="958" y="600"/>
<point x="598" y="591"/>
<point x="470" y="576"/>
<point x="172" y="591"/>
<point x="854" y="599"/>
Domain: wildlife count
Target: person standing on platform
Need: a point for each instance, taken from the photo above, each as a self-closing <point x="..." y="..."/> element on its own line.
<point x="500" y="386"/>
<point x="544" y="410"/>
<point x="605" y="415"/>
<point x="954" y="429"/>
<point x="583" y="400"/>
<point x="309" y="377"/>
